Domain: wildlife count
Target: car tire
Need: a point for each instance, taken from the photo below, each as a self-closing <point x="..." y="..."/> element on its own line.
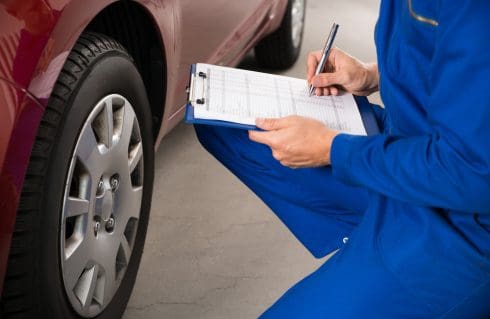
<point x="63" y="171"/>
<point x="281" y="49"/>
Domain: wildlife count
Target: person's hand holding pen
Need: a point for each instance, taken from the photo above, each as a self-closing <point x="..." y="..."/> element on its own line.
<point x="342" y="72"/>
<point x="297" y="141"/>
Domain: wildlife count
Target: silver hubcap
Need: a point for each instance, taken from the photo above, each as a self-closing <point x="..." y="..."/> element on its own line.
<point x="101" y="205"/>
<point x="298" y="17"/>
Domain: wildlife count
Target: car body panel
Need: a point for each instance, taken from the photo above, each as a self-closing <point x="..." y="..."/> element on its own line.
<point x="36" y="37"/>
<point x="19" y="114"/>
<point x="226" y="48"/>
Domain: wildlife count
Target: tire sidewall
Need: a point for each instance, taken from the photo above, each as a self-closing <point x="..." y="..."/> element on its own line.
<point x="111" y="73"/>
<point x="277" y="50"/>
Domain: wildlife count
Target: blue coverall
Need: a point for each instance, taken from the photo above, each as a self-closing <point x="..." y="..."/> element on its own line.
<point x="414" y="201"/>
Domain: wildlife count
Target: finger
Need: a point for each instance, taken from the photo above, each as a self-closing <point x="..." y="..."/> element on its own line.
<point x="325" y="79"/>
<point x="277" y="155"/>
<point x="320" y="91"/>
<point x="288" y="164"/>
<point x="314" y="58"/>
<point x="260" y="137"/>
<point x="312" y="63"/>
<point x="334" y="90"/>
<point x="269" y="124"/>
<point x="326" y="91"/>
<point x="333" y="55"/>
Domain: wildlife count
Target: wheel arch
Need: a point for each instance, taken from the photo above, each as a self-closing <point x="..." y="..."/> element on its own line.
<point x="132" y="25"/>
<point x="137" y="25"/>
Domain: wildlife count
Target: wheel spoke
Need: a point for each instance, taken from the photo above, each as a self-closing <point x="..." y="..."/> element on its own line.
<point x="137" y="197"/>
<point x="132" y="204"/>
<point x="135" y="156"/>
<point x="74" y="264"/>
<point x="128" y="210"/>
<point x="127" y="125"/>
<point x="84" y="290"/>
<point x="110" y="280"/>
<point x="76" y="206"/>
<point x="87" y="149"/>
<point x="109" y="122"/>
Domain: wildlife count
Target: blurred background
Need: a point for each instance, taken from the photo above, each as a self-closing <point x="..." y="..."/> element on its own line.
<point x="223" y="253"/>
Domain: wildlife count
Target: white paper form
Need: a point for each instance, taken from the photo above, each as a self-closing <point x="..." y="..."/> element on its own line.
<point x="241" y="96"/>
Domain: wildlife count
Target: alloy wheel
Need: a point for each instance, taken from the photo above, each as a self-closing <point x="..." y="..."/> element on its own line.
<point x="101" y="205"/>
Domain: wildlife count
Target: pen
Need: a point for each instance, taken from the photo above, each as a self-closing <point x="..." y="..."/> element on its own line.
<point x="326" y="51"/>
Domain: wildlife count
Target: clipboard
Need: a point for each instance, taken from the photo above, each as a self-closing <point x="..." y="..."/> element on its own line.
<point x="367" y="115"/>
<point x="193" y="96"/>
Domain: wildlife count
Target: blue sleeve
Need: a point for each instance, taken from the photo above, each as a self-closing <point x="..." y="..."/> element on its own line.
<point x="449" y="168"/>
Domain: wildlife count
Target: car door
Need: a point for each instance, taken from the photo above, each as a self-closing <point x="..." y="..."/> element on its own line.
<point x="213" y="31"/>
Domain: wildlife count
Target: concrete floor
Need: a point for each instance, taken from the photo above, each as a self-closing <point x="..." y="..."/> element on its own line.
<point x="214" y="250"/>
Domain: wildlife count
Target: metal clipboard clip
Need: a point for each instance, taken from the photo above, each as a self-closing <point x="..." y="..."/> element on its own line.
<point x="199" y="80"/>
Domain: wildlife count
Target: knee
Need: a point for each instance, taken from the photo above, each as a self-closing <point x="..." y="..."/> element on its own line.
<point x="204" y="135"/>
<point x="218" y="140"/>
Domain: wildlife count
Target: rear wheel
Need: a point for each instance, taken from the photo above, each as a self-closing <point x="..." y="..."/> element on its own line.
<point x="281" y="49"/>
<point x="84" y="208"/>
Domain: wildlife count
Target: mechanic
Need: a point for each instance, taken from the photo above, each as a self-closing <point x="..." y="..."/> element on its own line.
<point x="408" y="209"/>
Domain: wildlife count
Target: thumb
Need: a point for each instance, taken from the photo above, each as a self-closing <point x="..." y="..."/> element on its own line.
<point x="326" y="79"/>
<point x="270" y="124"/>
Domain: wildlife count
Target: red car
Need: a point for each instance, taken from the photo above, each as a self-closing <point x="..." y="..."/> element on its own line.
<point x="88" y="88"/>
